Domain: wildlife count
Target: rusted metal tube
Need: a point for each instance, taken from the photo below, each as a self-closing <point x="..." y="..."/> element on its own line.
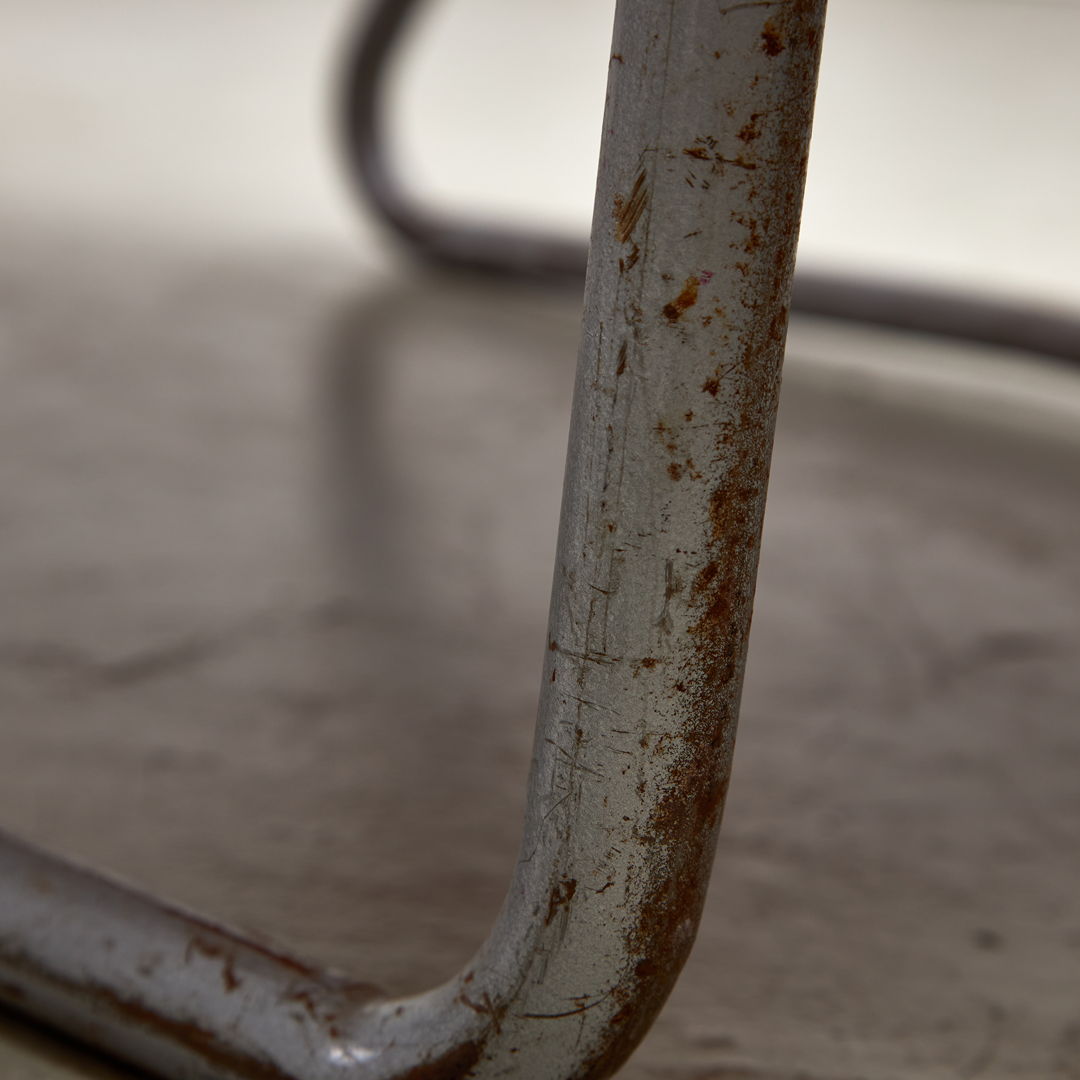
<point x="694" y="235"/>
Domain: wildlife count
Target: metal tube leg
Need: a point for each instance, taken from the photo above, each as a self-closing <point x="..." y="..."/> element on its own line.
<point x="694" y="233"/>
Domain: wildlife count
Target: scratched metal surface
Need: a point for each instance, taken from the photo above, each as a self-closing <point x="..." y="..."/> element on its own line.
<point x="274" y="599"/>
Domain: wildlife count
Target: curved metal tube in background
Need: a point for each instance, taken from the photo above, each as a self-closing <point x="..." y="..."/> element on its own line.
<point x="692" y="250"/>
<point x="479" y="248"/>
<point x="487" y="249"/>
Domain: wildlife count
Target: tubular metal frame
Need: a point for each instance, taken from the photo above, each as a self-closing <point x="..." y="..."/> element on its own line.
<point x="693" y="243"/>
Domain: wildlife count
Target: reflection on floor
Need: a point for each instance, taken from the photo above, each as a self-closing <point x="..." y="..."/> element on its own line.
<point x="276" y="552"/>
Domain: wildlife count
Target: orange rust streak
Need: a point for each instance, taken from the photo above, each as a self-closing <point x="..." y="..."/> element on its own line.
<point x="200" y="1042"/>
<point x="560" y="897"/>
<point x="750" y="130"/>
<point x="771" y="42"/>
<point x="452" y="1065"/>
<point x="621" y="365"/>
<point x="684" y="301"/>
<point x="628" y="211"/>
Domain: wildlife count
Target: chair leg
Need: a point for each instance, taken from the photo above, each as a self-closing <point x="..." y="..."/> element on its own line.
<point x="694" y="234"/>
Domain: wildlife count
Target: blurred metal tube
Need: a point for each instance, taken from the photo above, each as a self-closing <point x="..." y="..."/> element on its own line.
<point x="480" y="247"/>
<point x="694" y="235"/>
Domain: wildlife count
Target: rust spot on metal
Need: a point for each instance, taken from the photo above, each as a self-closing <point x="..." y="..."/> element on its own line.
<point x="202" y="1043"/>
<point x="649" y="662"/>
<point x="561" y="896"/>
<point x="208" y="932"/>
<point x="645" y="968"/>
<point x="147" y="965"/>
<point x="214" y="951"/>
<point x="675" y="471"/>
<point x="755" y="237"/>
<point x="308" y="1000"/>
<point x="617" y="56"/>
<point x="487" y="1008"/>
<point x="684" y="301"/>
<point x="620" y="367"/>
<point x="628" y="211"/>
<point x="698" y="152"/>
<point x="456" y="1064"/>
<point x="750" y="130"/>
<point x="738" y="162"/>
<point x="711" y="386"/>
<point x="229" y="977"/>
<point x="663" y="432"/>
<point x="772" y="44"/>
